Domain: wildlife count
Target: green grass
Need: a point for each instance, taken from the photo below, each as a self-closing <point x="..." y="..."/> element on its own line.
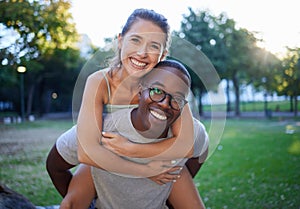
<point x="256" y="164"/>
<point x="23" y="149"/>
<point x="54" y="124"/>
<point x="283" y="106"/>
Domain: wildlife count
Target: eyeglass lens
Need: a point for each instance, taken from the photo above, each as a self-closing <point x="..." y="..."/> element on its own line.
<point x="159" y="95"/>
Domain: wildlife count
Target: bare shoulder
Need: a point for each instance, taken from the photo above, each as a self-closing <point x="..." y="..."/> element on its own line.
<point x="99" y="74"/>
<point x="97" y="84"/>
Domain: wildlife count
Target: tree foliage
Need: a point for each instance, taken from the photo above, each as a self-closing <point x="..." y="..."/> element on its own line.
<point x="288" y="82"/>
<point x="199" y="29"/>
<point x="40" y="35"/>
<point x="233" y="51"/>
<point x="35" y="28"/>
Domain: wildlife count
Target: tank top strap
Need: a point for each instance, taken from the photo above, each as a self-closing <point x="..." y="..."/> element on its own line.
<point x="107" y="83"/>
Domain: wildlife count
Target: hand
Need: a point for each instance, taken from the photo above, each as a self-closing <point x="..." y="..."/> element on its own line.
<point x="158" y="167"/>
<point x="167" y="176"/>
<point x="117" y="144"/>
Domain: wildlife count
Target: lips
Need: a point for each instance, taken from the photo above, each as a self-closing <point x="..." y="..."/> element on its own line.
<point x="138" y="63"/>
<point x="158" y="114"/>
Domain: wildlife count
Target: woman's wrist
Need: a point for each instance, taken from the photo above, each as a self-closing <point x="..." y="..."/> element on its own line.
<point x="132" y="150"/>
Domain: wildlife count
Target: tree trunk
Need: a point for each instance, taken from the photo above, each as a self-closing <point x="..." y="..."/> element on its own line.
<point x="228" y="95"/>
<point x="235" y="81"/>
<point x="296" y="106"/>
<point x="291" y="104"/>
<point x="30" y="99"/>
<point x="31" y="92"/>
<point x="266" y="104"/>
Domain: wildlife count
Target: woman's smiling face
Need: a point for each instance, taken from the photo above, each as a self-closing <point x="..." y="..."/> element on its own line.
<point x="142" y="47"/>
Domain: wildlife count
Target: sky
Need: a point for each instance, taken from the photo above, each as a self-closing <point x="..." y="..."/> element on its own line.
<point x="277" y="22"/>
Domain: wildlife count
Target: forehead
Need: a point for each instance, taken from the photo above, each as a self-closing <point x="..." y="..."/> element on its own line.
<point x="146" y="28"/>
<point x="163" y="72"/>
<point x="168" y="78"/>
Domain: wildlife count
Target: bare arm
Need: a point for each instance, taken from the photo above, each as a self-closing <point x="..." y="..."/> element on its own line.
<point x="58" y="170"/>
<point x="184" y="193"/>
<point x="81" y="191"/>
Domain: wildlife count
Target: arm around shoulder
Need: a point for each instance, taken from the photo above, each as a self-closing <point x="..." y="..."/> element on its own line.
<point x="89" y="125"/>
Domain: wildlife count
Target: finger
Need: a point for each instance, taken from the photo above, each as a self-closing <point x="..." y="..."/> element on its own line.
<point x="170" y="177"/>
<point x="159" y="182"/>
<point x="104" y="140"/>
<point x="162" y="182"/>
<point x="175" y="169"/>
<point x="170" y="163"/>
<point x="108" y="134"/>
<point x="106" y="143"/>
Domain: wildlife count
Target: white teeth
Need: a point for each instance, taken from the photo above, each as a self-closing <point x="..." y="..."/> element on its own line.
<point x="158" y="116"/>
<point x="140" y="64"/>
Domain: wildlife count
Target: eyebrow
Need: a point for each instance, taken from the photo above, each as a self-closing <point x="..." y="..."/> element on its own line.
<point x="141" y="37"/>
<point x="135" y="35"/>
<point x="157" y="83"/>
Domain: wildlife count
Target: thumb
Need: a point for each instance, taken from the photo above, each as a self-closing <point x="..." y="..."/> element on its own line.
<point x="108" y="134"/>
<point x="170" y="163"/>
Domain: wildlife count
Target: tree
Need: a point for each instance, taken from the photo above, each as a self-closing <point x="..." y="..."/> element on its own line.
<point x="240" y="47"/>
<point x="230" y="50"/>
<point x="226" y="27"/>
<point x="36" y="27"/>
<point x="200" y="30"/>
<point x="289" y="81"/>
<point x="35" y="32"/>
<point x="263" y="76"/>
<point x="58" y="77"/>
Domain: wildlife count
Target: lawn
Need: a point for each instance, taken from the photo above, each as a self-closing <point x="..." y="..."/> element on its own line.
<point x="23" y="149"/>
<point x="275" y="106"/>
<point x="256" y="164"/>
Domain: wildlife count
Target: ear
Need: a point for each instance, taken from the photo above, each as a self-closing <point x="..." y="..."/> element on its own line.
<point x="164" y="55"/>
<point x="120" y="41"/>
<point x="140" y="88"/>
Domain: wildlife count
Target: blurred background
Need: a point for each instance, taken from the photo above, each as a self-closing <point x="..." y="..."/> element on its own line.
<point x="254" y="51"/>
<point x="254" y="46"/>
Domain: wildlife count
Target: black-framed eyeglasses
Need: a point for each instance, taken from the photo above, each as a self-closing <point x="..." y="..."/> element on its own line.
<point x="158" y="95"/>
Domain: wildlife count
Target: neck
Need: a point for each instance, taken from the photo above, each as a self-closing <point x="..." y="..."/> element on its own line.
<point x="124" y="88"/>
<point x="127" y="81"/>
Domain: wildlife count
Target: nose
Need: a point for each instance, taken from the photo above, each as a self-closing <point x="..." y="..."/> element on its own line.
<point x="142" y="51"/>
